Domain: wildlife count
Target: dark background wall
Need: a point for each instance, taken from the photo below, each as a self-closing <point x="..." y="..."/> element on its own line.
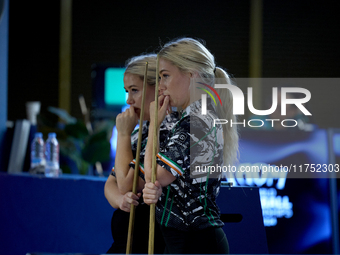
<point x="33" y="57"/>
<point x="300" y="39"/>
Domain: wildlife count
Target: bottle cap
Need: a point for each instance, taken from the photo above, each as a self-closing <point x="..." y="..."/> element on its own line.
<point x="38" y="134"/>
<point x="52" y="135"/>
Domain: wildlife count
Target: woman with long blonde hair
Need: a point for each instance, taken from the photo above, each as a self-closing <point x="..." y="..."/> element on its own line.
<point x="186" y="209"/>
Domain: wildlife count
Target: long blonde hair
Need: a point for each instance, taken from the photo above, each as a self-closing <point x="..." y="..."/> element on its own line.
<point x="136" y="65"/>
<point x="190" y="55"/>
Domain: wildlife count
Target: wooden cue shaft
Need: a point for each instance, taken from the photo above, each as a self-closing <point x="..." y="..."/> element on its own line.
<point x="154" y="166"/>
<point x="136" y="173"/>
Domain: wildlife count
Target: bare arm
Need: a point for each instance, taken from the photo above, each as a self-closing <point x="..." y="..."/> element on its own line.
<point x="126" y="122"/>
<point x="116" y="199"/>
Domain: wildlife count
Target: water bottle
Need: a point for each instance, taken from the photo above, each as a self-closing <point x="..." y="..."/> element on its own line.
<point x="52" y="156"/>
<point x="37" y="151"/>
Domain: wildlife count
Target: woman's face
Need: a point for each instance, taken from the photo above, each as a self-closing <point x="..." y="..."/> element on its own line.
<point x="174" y="83"/>
<point x="134" y="87"/>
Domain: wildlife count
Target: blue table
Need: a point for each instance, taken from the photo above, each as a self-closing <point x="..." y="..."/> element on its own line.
<point x="71" y="215"/>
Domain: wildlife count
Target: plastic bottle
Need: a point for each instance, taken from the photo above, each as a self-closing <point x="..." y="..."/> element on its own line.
<point x="37" y="151"/>
<point x="52" y="156"/>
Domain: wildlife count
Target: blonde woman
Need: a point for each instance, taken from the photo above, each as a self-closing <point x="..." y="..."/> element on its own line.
<point x="186" y="209"/>
<point x="119" y="184"/>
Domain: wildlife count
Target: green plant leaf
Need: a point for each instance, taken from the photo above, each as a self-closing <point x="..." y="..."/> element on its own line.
<point x="97" y="149"/>
<point x="77" y="130"/>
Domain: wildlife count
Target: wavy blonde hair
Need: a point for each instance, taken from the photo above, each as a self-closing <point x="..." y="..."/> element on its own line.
<point x="136" y="65"/>
<point x="190" y="55"/>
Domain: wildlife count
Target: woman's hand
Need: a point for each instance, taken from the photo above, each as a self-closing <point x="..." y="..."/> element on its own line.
<point x="126" y="121"/>
<point x="163" y="109"/>
<point x="128" y="199"/>
<point x="152" y="192"/>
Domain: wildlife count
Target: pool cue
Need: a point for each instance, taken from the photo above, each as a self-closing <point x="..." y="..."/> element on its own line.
<point x="154" y="166"/>
<point x="136" y="173"/>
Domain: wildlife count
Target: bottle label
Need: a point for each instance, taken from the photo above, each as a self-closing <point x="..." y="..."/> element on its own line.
<point x="37" y="153"/>
<point x="36" y="160"/>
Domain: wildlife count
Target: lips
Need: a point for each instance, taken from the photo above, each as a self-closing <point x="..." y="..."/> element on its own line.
<point x="162" y="101"/>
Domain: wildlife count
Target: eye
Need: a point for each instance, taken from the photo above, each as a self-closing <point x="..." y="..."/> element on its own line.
<point x="163" y="76"/>
<point x="134" y="90"/>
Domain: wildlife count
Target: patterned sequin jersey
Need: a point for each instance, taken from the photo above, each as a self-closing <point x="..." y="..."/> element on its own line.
<point x="189" y="202"/>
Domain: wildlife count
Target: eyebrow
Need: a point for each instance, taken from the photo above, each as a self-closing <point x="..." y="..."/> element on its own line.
<point x="163" y="70"/>
<point x="130" y="86"/>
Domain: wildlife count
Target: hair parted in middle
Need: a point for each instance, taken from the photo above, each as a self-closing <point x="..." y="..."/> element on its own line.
<point x="190" y="55"/>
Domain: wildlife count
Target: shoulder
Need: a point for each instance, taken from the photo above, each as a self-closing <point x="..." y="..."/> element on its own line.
<point x="203" y="123"/>
<point x="197" y="118"/>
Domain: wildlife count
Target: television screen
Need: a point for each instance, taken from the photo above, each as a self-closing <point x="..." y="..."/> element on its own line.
<point x="108" y="93"/>
<point x="114" y="92"/>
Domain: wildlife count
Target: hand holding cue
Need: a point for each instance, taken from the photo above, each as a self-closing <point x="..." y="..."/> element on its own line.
<point x="154" y="166"/>
<point x="136" y="173"/>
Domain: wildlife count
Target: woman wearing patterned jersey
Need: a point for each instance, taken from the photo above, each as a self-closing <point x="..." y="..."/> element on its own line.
<point x="187" y="209"/>
<point x="117" y="188"/>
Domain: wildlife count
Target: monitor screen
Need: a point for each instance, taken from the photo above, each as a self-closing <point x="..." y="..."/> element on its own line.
<point x="114" y="92"/>
<point x="108" y="93"/>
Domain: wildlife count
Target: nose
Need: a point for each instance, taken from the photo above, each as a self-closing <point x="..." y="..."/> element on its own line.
<point x="161" y="87"/>
<point x="130" y="100"/>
